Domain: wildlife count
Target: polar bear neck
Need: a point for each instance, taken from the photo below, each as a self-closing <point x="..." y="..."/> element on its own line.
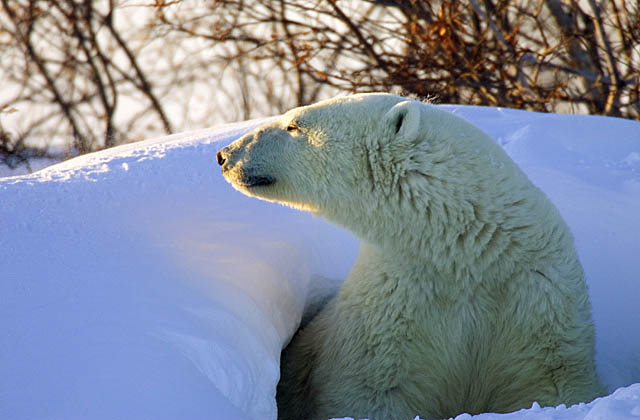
<point x="459" y="234"/>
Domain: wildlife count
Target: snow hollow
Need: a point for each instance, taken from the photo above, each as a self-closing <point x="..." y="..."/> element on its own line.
<point x="136" y="283"/>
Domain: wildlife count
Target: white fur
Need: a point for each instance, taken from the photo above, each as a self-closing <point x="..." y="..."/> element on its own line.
<point x="467" y="294"/>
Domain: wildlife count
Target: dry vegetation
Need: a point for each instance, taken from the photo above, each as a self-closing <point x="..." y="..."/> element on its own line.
<point x="104" y="72"/>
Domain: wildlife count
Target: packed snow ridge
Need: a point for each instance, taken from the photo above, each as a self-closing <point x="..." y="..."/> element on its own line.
<point x="135" y="283"/>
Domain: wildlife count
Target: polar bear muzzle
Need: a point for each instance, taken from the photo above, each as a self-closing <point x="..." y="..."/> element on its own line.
<point x="239" y="175"/>
<point x="250" y="181"/>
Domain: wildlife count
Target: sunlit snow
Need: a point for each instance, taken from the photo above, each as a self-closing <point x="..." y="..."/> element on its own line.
<point x="136" y="283"/>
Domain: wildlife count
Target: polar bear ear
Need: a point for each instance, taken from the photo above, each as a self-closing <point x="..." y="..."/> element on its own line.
<point x="404" y="120"/>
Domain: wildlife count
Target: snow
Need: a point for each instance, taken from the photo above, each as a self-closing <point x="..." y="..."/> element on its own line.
<point x="136" y="283"/>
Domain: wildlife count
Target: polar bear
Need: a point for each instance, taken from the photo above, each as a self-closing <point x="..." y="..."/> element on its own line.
<point x="466" y="295"/>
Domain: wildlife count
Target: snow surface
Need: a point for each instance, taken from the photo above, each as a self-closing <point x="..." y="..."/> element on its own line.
<point x="136" y="283"/>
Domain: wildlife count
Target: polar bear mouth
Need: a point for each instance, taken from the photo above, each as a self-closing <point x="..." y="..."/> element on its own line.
<point x="250" y="181"/>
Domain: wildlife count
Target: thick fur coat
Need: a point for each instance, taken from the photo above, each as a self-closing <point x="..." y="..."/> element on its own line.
<point x="467" y="294"/>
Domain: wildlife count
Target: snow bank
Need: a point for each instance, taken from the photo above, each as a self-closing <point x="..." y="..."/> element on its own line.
<point x="135" y="283"/>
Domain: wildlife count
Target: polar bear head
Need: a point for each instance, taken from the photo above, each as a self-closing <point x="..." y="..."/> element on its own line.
<point x="370" y="162"/>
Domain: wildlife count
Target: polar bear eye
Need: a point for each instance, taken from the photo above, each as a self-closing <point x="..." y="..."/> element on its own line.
<point x="292" y="127"/>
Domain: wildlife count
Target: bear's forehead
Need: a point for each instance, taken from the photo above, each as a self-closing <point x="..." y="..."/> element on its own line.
<point x="360" y="106"/>
<point x="305" y="116"/>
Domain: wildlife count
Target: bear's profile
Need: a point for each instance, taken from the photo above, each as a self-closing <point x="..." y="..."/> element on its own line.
<point x="466" y="295"/>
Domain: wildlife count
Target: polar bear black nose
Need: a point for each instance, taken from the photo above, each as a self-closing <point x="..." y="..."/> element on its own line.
<point x="220" y="158"/>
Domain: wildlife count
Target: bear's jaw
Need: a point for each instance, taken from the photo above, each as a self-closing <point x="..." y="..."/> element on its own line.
<point x="264" y="187"/>
<point x="253" y="181"/>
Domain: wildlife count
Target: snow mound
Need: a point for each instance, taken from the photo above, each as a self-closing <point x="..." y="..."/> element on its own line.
<point x="135" y="283"/>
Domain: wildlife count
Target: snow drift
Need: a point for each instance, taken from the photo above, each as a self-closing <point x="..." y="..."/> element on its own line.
<point x="135" y="283"/>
